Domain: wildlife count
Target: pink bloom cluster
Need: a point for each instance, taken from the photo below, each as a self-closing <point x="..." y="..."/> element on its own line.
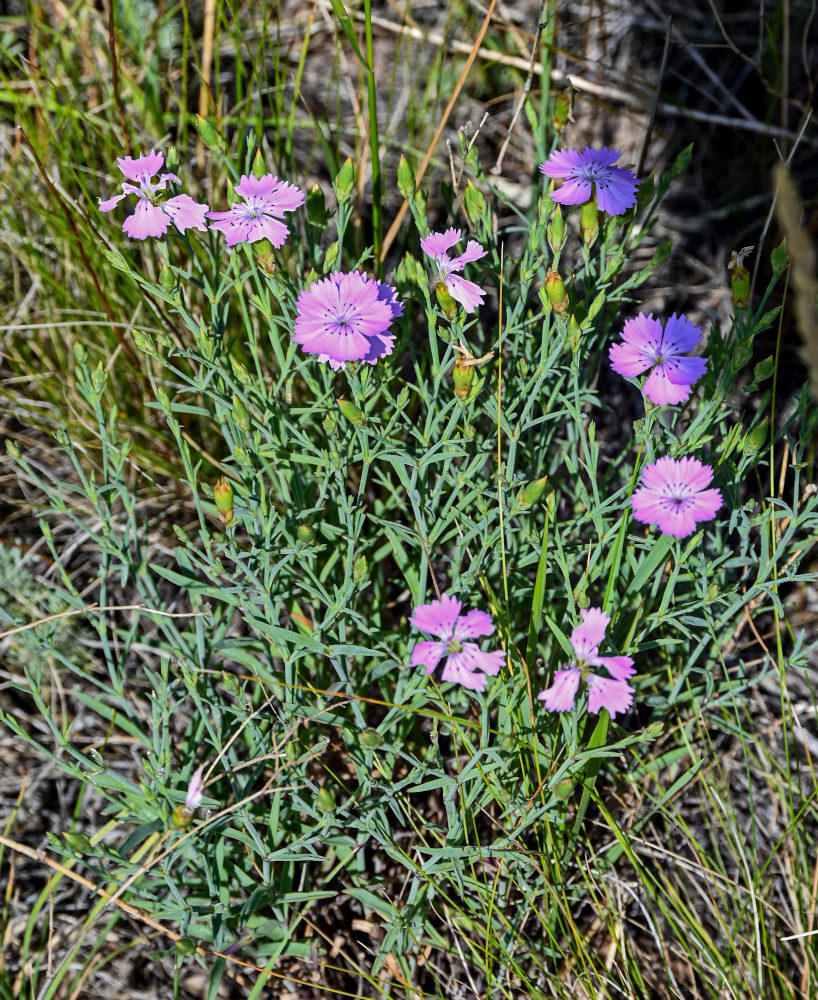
<point x="613" y="692"/>
<point x="152" y="214"/>
<point x="464" y="659"/>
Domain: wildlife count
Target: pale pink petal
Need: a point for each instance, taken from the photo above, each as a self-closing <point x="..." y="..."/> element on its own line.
<point x="428" y="653"/>
<point x="614" y="695"/>
<point x="141" y="167"/>
<point x="620" y="667"/>
<point x="436" y="244"/>
<point x="456" y="671"/>
<point x="147" y="220"/>
<point x="561" y="163"/>
<point x="563" y="691"/>
<point x="473" y="251"/>
<point x="467" y="293"/>
<point x="661" y="391"/>
<point x="106" y="206"/>
<point x="586" y="637"/>
<point x="473" y="624"/>
<point x="628" y="360"/>
<point x="193" y="798"/>
<point x="185" y="212"/>
<point x="437" y="617"/>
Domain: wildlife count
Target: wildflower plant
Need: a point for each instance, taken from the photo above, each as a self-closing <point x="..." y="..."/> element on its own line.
<point x="276" y="613"/>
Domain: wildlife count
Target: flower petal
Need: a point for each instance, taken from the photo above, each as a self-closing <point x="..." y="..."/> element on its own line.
<point x="563" y="691"/>
<point x="614" y="695"/>
<point x="473" y="624"/>
<point x="437" y="244"/>
<point x="147" y="220"/>
<point x="428" y="653"/>
<point x="469" y="295"/>
<point x="438" y="617"/>
<point x="185" y="212"/>
<point x="586" y="637"/>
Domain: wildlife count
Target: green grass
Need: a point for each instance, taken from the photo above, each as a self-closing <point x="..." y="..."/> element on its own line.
<point x="364" y="829"/>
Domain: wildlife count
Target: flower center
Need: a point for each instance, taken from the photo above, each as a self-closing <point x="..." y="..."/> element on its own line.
<point x="454" y="646"/>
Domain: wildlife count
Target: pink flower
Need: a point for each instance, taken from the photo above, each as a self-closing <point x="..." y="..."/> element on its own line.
<point x="613" y="693"/>
<point x="646" y="345"/>
<point x="346" y="317"/>
<point x="469" y="295"/>
<point x="615" y="186"/>
<point x="443" y="619"/>
<point x="152" y="215"/>
<point x="193" y="799"/>
<point x="266" y="199"/>
<point x="673" y="495"/>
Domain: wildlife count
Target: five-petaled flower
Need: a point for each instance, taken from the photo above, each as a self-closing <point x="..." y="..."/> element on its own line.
<point x="346" y="317"/>
<point x="613" y="693"/>
<point x="258" y="216"/>
<point x="443" y="619"/>
<point x="646" y="345"/>
<point x="152" y="215"/>
<point x="615" y="186"/>
<point x="674" y="495"/>
<point x="467" y="293"/>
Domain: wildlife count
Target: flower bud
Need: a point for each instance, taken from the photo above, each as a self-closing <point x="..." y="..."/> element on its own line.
<point x="740" y="278"/>
<point x="555" y="289"/>
<point x="574" y="333"/>
<point x="317" y="213"/>
<point x="522" y="366"/>
<point x="181" y="818"/>
<point x="223" y="495"/>
<point x="463" y="378"/>
<point x="210" y="136"/>
<point x="259" y="166"/>
<point x="241" y="414"/>
<point x="329" y="423"/>
<point x="447" y="303"/>
<point x="351" y="412"/>
<point x="344" y="181"/>
<point x="475" y="203"/>
<point x="531" y="493"/>
<point x="589" y="222"/>
<point x="555" y="231"/>
<point x="359" y="570"/>
<point x="406" y="179"/>
<point x="562" y="110"/>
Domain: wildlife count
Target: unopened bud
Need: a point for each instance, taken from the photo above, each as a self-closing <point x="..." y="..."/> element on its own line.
<point x="306" y="534"/>
<point x="475" y="203"/>
<point x="555" y="289"/>
<point x="359" y="569"/>
<point x="555" y="231"/>
<point x="344" y="181"/>
<point x="223" y="495"/>
<point x="740" y="278"/>
<point x="259" y="166"/>
<point x="447" y="303"/>
<point x="406" y="179"/>
<point x="463" y="378"/>
<point x="317" y="213"/>
<point x="531" y="493"/>
<point x="589" y="222"/>
<point x="351" y="412"/>
<point x="574" y="333"/>
<point x="241" y="414"/>
<point x="562" y="110"/>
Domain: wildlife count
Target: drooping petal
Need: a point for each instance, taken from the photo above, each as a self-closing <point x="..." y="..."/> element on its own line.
<point x="473" y="251"/>
<point x="563" y="691"/>
<point x="147" y="220"/>
<point x="106" y="206"/>
<point x="467" y="293"/>
<point x="604" y="692"/>
<point x="428" y="653"/>
<point x="437" y="617"/>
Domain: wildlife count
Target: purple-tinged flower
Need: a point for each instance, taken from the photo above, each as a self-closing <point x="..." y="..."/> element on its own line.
<point x="647" y="345"/>
<point x="346" y="317"/>
<point x="467" y="293"/>
<point x="674" y="495"/>
<point x="152" y="215"/>
<point x="615" y="186"/>
<point x="193" y="799"/>
<point x="258" y="217"/>
<point x="613" y="693"/>
<point x="443" y="619"/>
